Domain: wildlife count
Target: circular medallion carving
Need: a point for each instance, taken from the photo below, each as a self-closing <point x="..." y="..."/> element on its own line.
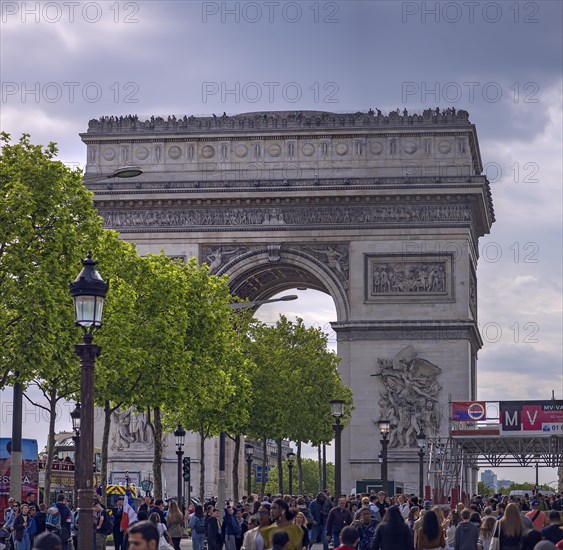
<point x="175" y="152"/>
<point x="241" y="151"/>
<point x="376" y="147"/>
<point x="308" y="149"/>
<point x="142" y="153"/>
<point x="109" y="153"/>
<point x="444" y="147"/>
<point x="410" y="147"/>
<point x="341" y="149"/>
<point x="274" y="150"/>
<point x="208" y="152"/>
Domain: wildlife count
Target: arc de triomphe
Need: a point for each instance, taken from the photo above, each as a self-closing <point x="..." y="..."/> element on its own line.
<point x="381" y="212"/>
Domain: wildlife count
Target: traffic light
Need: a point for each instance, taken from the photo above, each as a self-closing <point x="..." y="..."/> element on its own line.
<point x="186" y="465"/>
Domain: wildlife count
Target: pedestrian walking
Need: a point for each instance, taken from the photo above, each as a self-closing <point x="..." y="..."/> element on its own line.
<point x="509" y="530"/>
<point x="197" y="526"/>
<point x="431" y="535"/>
<point x="392" y="533"/>
<point x="213" y="531"/>
<point x="175" y="521"/>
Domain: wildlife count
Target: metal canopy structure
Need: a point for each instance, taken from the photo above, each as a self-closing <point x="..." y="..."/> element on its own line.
<point x="511" y="451"/>
<point x="509" y="433"/>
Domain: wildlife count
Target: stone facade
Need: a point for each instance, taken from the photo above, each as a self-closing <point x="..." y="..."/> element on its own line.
<point x="131" y="449"/>
<point x="381" y="212"/>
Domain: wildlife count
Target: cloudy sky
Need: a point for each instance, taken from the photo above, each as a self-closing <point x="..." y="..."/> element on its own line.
<point x="63" y="64"/>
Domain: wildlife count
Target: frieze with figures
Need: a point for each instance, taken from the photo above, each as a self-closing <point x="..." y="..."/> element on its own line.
<point x="405" y="277"/>
<point x="280" y="217"/>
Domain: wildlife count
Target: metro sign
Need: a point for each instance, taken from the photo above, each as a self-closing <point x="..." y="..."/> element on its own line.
<point x="469" y="411"/>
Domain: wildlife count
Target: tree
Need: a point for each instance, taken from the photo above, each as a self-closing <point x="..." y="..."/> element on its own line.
<point x="270" y="378"/>
<point x="293" y="360"/>
<point x="119" y="368"/>
<point x="214" y="383"/>
<point x="162" y="321"/>
<point x="310" y="478"/>
<point x="47" y="217"/>
<point x="483" y="489"/>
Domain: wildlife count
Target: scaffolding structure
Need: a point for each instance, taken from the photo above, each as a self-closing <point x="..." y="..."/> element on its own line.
<point x="483" y="440"/>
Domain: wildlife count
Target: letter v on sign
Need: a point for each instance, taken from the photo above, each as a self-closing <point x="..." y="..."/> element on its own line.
<point x="529" y="418"/>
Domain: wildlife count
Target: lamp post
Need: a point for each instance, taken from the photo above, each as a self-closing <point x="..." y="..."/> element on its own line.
<point x="337" y="411"/>
<point x="88" y="292"/>
<point x="180" y="436"/>
<point x="75" y="418"/>
<point x="290" y="463"/>
<point x="384" y="431"/>
<point x="249" y="452"/>
<point x="421" y="442"/>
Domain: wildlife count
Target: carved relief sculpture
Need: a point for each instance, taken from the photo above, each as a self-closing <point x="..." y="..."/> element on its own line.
<point x="409" y="277"/>
<point x="409" y="397"/>
<point x="336" y="215"/>
<point x="131" y="430"/>
<point x="336" y="257"/>
<point x="400" y="277"/>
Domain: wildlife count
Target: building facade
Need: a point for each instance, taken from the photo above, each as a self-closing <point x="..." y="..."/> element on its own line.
<point x="383" y="212"/>
<point x="489" y="478"/>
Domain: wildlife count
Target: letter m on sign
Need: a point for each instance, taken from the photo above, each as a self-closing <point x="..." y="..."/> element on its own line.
<point x="510" y="417"/>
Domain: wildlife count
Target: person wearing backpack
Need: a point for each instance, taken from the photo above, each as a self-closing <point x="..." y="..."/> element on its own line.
<point x="65" y="520"/>
<point x="197" y="525"/>
<point x="104" y="526"/>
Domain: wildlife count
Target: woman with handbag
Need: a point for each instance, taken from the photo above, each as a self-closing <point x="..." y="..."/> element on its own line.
<point x="164" y="538"/>
<point x="509" y="530"/>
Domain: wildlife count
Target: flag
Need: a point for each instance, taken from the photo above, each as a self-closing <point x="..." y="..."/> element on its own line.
<point x="129" y="515"/>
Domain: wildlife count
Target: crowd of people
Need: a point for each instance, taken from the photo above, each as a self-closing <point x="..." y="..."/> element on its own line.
<point x="278" y="522"/>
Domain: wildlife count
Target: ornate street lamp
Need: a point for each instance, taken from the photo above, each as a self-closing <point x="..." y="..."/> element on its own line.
<point x="384" y="426"/>
<point x="290" y="462"/>
<point x="75" y="418"/>
<point x="421" y="442"/>
<point x="337" y="410"/>
<point x="249" y="453"/>
<point x="88" y="292"/>
<point x="180" y="436"/>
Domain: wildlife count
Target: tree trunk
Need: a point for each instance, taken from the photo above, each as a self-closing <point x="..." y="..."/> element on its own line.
<point x="280" y="465"/>
<point x="238" y="441"/>
<point x="320" y="465"/>
<point x="299" y="469"/>
<point x="264" y="464"/>
<point x="202" y="466"/>
<point x="157" y="464"/>
<point x="105" y="439"/>
<point x="50" y="446"/>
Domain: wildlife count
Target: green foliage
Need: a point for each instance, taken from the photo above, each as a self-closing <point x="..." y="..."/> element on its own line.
<point x="483" y="489"/>
<point x="310" y="478"/>
<point x="47" y="220"/>
<point x="294" y="377"/>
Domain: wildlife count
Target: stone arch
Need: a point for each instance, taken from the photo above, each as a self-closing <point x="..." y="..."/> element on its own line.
<point x="264" y="272"/>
